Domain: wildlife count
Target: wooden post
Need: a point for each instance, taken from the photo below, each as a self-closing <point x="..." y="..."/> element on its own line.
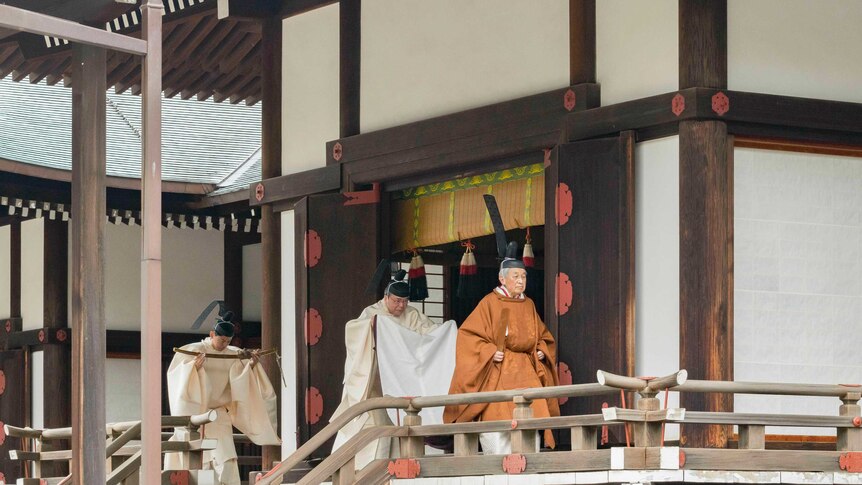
<point x="584" y="438"/>
<point x="523" y="441"/>
<point x="233" y="274"/>
<point x="466" y="444"/>
<point x="752" y="437"/>
<point x="850" y="439"/>
<point x="57" y="373"/>
<point x="151" y="244"/>
<point x="582" y="41"/>
<point x="706" y="221"/>
<point x="350" y="52"/>
<point x="706" y="270"/>
<point x="270" y="221"/>
<point x="346" y="475"/>
<point x="647" y="434"/>
<point x="88" y="258"/>
<point x="15" y="269"/>
<point x="412" y="446"/>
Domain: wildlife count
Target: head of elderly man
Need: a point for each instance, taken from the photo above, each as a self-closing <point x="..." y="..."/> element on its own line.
<point x="396" y="297"/>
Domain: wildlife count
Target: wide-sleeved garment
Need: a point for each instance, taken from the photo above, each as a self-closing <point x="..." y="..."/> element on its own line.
<point x="513" y="326"/>
<point x="362" y="378"/>
<point x="240" y="393"/>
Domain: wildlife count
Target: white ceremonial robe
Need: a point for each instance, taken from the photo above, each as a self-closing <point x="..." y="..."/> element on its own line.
<point x="243" y="397"/>
<point x="362" y="379"/>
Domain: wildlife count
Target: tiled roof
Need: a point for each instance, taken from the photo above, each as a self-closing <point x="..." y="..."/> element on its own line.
<point x="202" y="141"/>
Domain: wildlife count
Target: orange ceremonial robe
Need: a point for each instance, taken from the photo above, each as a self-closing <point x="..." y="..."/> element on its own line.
<point x="520" y="337"/>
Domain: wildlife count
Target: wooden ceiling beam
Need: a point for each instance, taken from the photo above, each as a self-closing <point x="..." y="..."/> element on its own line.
<point x="222" y="30"/>
<point x="212" y="61"/>
<point x="248" y="9"/>
<point x="230" y="63"/>
<point x="244" y="90"/>
<point x="201" y="31"/>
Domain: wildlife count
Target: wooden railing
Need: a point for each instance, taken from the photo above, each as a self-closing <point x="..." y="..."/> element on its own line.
<point x="124" y="458"/>
<point x="645" y="449"/>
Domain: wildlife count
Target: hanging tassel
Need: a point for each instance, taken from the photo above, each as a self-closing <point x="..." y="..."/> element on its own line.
<point x="468" y="274"/>
<point x="418" y="281"/>
<point x="534" y="282"/>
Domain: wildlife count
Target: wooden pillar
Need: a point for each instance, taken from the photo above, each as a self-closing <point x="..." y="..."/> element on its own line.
<point x="88" y="257"/>
<point x="706" y="221"/>
<point x="15" y="269"/>
<point x="151" y="244"/>
<point x="233" y="274"/>
<point x="271" y="221"/>
<point x="57" y="373"/>
<point x="582" y="41"/>
<point x="350" y="50"/>
<point x="706" y="270"/>
<point x="702" y="44"/>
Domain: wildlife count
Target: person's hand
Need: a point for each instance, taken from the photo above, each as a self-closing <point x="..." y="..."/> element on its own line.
<point x="255" y="357"/>
<point x="498" y="356"/>
<point x="540" y="354"/>
<point x="200" y="359"/>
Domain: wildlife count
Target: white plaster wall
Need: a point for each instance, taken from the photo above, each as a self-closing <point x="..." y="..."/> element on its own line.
<point x="422" y="59"/>
<point x="289" y="394"/>
<point x="32" y="263"/>
<point x="797" y="276"/>
<point x="310" y="88"/>
<point x="252" y="282"/>
<point x="122" y="390"/>
<point x="657" y="262"/>
<point x="5" y="273"/>
<point x="796" y="47"/>
<point x="637" y="48"/>
<point x="192" y="276"/>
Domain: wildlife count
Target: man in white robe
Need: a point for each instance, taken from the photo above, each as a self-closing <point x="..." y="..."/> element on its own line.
<point x="361" y="374"/>
<point x="237" y="388"/>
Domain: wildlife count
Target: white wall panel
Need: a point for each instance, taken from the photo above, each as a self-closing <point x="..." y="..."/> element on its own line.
<point x="252" y="282"/>
<point x="32" y="264"/>
<point x="192" y="276"/>
<point x="657" y="261"/>
<point x="636" y="48"/>
<point x="310" y="88"/>
<point x="5" y="274"/>
<point x="289" y="394"/>
<point x="422" y="59"/>
<point x="796" y="48"/>
<point x="123" y="390"/>
<point x="797" y="275"/>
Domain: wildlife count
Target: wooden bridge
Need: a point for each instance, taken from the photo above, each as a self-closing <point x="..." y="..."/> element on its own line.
<point x="644" y="458"/>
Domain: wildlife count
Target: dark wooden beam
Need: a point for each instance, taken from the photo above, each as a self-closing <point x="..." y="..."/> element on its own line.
<point x="582" y="41"/>
<point x="88" y="258"/>
<point x="703" y="44"/>
<point x="289" y="8"/>
<point x="248" y="9"/>
<point x="271" y="65"/>
<point x="350" y="52"/>
<point x="706" y="270"/>
<point x="296" y="185"/>
<point x="15" y="269"/>
<point x="57" y="359"/>
<point x="513" y="127"/>
<point x="233" y="273"/>
<point x="750" y="114"/>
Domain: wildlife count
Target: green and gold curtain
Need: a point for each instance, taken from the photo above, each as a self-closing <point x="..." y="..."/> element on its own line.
<point x="449" y="211"/>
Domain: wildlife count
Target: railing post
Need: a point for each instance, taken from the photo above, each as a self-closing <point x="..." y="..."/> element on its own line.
<point x="345" y="475"/>
<point x="37" y="463"/>
<point x="752" y="437"/>
<point x="412" y="446"/>
<point x="584" y="438"/>
<point x="523" y="441"/>
<point x="850" y="439"/>
<point x="466" y="444"/>
<point x="647" y="433"/>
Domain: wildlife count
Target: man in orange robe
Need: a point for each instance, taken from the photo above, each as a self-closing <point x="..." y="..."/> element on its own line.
<point x="503" y="345"/>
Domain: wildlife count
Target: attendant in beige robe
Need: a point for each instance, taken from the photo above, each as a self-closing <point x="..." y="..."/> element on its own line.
<point x="361" y="375"/>
<point x="237" y="388"/>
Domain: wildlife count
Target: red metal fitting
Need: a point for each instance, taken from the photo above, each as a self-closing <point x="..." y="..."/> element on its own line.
<point x="851" y="462"/>
<point x="857" y="421"/>
<point x="61" y="335"/>
<point x="337" y="151"/>
<point x="404" y="468"/>
<point x="42" y="336"/>
<point x="720" y="103"/>
<point x="677" y="104"/>
<point x="569" y="100"/>
<point x="514" y="464"/>
<point x="180" y="477"/>
<point x="681" y="458"/>
<point x="259" y="192"/>
<point x="514" y="423"/>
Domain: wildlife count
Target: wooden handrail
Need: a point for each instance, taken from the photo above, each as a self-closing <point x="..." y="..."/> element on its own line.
<point x="335" y="461"/>
<point x="774" y="388"/>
